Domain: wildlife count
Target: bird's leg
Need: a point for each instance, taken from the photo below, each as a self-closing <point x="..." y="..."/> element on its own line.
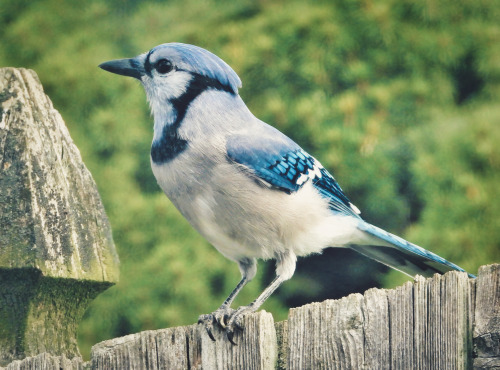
<point x="248" y="268"/>
<point x="222" y="314"/>
<point x="236" y="319"/>
<point x="285" y="267"/>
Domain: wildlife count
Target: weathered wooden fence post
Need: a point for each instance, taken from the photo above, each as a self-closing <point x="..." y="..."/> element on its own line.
<point x="56" y="249"/>
<point x="190" y="347"/>
<point x="486" y="334"/>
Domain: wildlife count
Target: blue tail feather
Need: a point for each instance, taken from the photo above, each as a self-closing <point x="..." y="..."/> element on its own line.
<point x="403" y="255"/>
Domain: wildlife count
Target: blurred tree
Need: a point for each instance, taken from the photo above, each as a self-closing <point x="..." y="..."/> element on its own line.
<point x="396" y="98"/>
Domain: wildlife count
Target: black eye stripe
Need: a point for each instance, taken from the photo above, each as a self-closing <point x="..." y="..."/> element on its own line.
<point x="147" y="64"/>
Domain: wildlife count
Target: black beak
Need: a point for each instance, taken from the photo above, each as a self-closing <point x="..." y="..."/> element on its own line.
<point x="126" y="67"/>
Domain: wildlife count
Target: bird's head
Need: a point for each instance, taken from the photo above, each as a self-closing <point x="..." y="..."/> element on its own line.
<point x="169" y="71"/>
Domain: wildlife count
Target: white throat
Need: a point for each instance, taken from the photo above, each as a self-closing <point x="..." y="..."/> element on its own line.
<point x="160" y="91"/>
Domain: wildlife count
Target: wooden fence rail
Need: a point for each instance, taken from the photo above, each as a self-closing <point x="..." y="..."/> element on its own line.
<point x="447" y="322"/>
<point x="51" y="268"/>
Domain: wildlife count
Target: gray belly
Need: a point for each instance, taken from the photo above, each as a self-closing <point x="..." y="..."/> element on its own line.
<point x="224" y="205"/>
<point x="243" y="218"/>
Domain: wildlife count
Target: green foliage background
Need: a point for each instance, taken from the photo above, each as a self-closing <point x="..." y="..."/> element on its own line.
<point x="399" y="98"/>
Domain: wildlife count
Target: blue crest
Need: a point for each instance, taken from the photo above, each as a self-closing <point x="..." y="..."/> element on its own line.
<point x="200" y="61"/>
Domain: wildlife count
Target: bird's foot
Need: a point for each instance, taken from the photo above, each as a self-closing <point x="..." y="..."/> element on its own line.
<point x="220" y="317"/>
<point x="237" y="322"/>
<point x="227" y="319"/>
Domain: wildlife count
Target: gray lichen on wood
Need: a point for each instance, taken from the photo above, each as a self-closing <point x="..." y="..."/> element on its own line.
<point x="46" y="361"/>
<point x="56" y="249"/>
<point x="51" y="215"/>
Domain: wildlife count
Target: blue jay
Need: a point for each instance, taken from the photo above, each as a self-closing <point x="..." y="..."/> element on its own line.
<point x="250" y="190"/>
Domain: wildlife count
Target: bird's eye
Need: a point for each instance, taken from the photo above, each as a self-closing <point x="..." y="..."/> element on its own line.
<point x="164" y="66"/>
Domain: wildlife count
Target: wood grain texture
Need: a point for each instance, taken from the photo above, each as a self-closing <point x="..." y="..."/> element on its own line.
<point x="45" y="361"/>
<point x="282" y="342"/>
<point x="424" y="325"/>
<point x="327" y="335"/>
<point x="51" y="214"/>
<point x="191" y="348"/>
<point x="56" y="250"/>
<point x="486" y="334"/>
<point x="256" y="346"/>
<point x="442" y="332"/>
<point x="173" y="348"/>
<point x="376" y="317"/>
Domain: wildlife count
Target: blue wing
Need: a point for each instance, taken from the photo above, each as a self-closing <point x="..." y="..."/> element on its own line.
<point x="282" y="164"/>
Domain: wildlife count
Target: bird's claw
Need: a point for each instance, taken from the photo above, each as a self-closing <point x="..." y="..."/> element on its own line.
<point x="227" y="319"/>
<point x="207" y="322"/>
<point x="230" y="336"/>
